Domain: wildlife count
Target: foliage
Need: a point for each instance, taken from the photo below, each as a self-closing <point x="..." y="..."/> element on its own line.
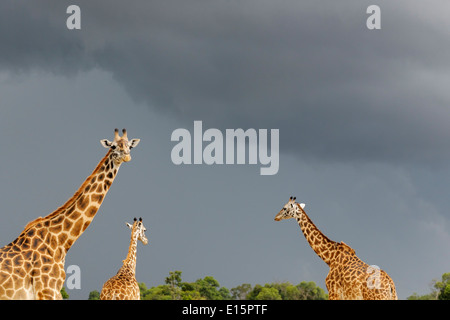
<point x="209" y="288"/>
<point x="174" y="288"/>
<point x="443" y="287"/>
<point x="240" y="292"/>
<point x="94" y="295"/>
<point x="64" y="293"/>
<point x="440" y="290"/>
<point x="287" y="291"/>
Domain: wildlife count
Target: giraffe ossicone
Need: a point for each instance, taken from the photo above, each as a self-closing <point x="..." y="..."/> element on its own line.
<point x="349" y="278"/>
<point x="32" y="266"/>
<point x="123" y="285"/>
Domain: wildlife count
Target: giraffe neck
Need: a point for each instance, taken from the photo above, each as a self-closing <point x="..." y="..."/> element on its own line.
<point x="130" y="261"/>
<point x="66" y="224"/>
<point x="322" y="246"/>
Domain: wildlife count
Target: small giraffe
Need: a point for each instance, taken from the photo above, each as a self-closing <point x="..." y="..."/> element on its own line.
<point x="123" y="286"/>
<point x="349" y="278"/>
<point x="32" y="266"/>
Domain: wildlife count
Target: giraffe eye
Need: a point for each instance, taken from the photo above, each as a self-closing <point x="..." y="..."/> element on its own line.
<point x="113" y="147"/>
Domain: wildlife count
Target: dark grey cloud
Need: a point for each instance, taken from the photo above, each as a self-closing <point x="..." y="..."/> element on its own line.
<point x="33" y="40"/>
<point x="336" y="90"/>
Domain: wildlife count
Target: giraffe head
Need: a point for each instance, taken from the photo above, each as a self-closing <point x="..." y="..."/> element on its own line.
<point x="291" y="209"/>
<point x="138" y="228"/>
<point x="120" y="147"/>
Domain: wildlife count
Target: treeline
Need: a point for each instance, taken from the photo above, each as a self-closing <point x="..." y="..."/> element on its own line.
<point x="440" y="290"/>
<point x="209" y="288"/>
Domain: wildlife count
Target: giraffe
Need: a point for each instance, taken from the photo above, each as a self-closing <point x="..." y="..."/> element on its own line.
<point x="349" y="278"/>
<point x="32" y="266"/>
<point x="123" y="286"/>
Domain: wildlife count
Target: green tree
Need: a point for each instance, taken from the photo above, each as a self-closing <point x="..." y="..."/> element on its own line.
<point x="94" y="295"/>
<point x="161" y="292"/>
<point x="309" y="291"/>
<point x="268" y="293"/>
<point x="142" y="289"/>
<point x="174" y="283"/>
<point x="64" y="293"/>
<point x="210" y="289"/>
<point x="240" y="292"/>
<point x="415" y="296"/>
<point x="440" y="290"/>
<point x="288" y="291"/>
<point x="443" y="287"/>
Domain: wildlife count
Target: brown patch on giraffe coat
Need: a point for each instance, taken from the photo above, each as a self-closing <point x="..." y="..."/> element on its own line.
<point x="56" y="229"/>
<point x="35" y="243"/>
<point x="86" y="224"/>
<point x="58" y="255"/>
<point x="67" y="224"/>
<point x="46" y="259"/>
<point x="20" y="272"/>
<point x="70" y="209"/>
<point x="57" y="220"/>
<point x="91" y="211"/>
<point x="24" y="243"/>
<point x="7" y="265"/>
<point x="53" y="242"/>
<point x="82" y="202"/>
<point x="17" y="260"/>
<point x="76" y="228"/>
<point x="62" y="237"/>
<point x="3" y="276"/>
<point x="52" y="283"/>
<point x="74" y="215"/>
<point x="97" y="198"/>
<point x="30" y="233"/>
<point x="27" y="254"/>
<point x="54" y="273"/>
<point x="69" y="243"/>
<point x="41" y="233"/>
<point x="99" y="188"/>
<point x="43" y="249"/>
<point x="8" y="283"/>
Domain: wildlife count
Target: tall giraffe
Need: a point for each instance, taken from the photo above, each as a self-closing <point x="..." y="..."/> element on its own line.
<point x="123" y="286"/>
<point x="349" y="277"/>
<point x="32" y="266"/>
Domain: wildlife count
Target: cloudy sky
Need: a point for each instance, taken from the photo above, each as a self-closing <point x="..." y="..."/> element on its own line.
<point x="363" y="118"/>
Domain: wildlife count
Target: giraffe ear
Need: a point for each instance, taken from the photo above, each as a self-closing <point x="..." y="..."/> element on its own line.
<point x="129" y="225"/>
<point x="302" y="205"/>
<point x="106" y="143"/>
<point x="133" y="143"/>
